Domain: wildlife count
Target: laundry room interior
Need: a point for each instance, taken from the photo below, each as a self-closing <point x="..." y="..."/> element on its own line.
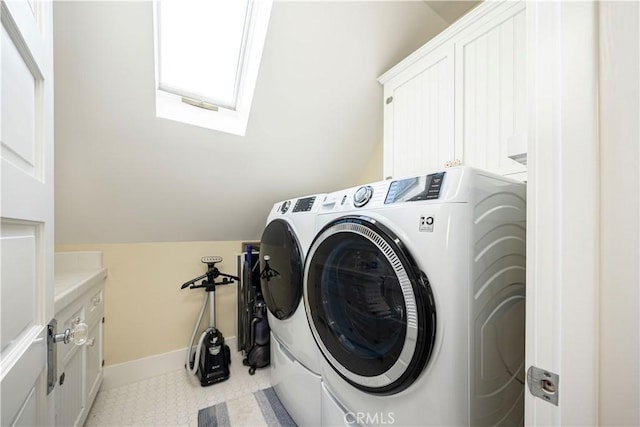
<point x="435" y="205"/>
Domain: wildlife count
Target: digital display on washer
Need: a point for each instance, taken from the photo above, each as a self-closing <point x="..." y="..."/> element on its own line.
<point x="304" y="205"/>
<point x="415" y="189"/>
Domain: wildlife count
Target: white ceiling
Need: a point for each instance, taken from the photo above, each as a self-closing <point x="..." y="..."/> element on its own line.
<point x="122" y="175"/>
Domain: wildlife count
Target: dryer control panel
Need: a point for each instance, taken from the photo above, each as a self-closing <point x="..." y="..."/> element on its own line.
<point x="304" y="205"/>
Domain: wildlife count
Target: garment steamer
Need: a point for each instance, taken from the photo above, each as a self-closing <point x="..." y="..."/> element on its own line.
<point x="211" y="359"/>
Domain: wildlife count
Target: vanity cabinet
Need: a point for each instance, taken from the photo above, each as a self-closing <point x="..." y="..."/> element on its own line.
<point x="460" y="98"/>
<point x="79" y="299"/>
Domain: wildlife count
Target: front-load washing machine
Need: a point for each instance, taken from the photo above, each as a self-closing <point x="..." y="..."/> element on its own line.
<point x="415" y="292"/>
<point x="295" y="356"/>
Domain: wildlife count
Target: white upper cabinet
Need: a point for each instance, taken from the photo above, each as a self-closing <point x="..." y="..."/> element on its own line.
<point x="419" y="115"/>
<point x="491" y="90"/>
<point x="461" y="97"/>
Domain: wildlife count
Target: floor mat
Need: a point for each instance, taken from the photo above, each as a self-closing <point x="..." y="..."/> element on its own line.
<point x="262" y="408"/>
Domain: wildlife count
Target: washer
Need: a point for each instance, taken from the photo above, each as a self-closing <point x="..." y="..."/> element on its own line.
<point x="295" y="366"/>
<point x="415" y="292"/>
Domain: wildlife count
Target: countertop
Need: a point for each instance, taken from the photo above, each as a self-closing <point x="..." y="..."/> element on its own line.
<point x="75" y="273"/>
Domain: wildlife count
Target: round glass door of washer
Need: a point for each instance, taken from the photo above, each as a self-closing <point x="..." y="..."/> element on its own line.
<point x="371" y="309"/>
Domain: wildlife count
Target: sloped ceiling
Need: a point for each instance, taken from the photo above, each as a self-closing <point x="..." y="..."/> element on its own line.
<point x="451" y="10"/>
<point x="123" y="175"/>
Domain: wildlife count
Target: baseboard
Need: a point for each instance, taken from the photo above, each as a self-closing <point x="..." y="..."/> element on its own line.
<point x="148" y="367"/>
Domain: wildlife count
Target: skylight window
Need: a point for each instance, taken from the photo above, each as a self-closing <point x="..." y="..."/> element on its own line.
<point x="207" y="59"/>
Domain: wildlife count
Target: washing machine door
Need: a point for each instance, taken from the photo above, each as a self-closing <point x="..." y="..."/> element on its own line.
<point x="281" y="269"/>
<point x="370" y="308"/>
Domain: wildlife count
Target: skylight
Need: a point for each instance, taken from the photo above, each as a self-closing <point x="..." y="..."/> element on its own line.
<point x="207" y="58"/>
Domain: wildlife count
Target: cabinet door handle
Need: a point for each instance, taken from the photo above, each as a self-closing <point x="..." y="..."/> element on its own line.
<point x="90" y="342"/>
<point x="97" y="300"/>
<point x="389" y="100"/>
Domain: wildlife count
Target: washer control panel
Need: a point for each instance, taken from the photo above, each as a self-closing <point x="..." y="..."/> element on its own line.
<point x="415" y="189"/>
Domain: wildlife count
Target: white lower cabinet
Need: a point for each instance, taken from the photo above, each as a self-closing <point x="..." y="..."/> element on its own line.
<point x="94" y="361"/>
<point x="79" y="367"/>
<point x="70" y="405"/>
<point x="460" y="98"/>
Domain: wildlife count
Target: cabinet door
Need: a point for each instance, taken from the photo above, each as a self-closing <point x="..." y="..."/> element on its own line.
<point x="94" y="360"/>
<point x="70" y="401"/>
<point x="491" y="89"/>
<point x="419" y="115"/>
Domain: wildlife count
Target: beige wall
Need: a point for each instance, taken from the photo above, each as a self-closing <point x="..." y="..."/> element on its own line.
<point x="373" y="169"/>
<point x="146" y="312"/>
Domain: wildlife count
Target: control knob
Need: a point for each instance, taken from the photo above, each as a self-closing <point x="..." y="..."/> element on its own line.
<point x="362" y="196"/>
<point x="284" y="207"/>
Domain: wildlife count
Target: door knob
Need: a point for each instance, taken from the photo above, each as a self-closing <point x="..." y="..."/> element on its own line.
<point x="78" y="335"/>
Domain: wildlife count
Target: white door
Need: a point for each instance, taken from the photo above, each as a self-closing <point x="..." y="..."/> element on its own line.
<point x="564" y="231"/>
<point x="563" y="211"/>
<point x="619" y="107"/>
<point x="26" y="133"/>
<point x="583" y="244"/>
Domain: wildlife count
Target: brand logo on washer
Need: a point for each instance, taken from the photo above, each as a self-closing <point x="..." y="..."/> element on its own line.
<point x="426" y="223"/>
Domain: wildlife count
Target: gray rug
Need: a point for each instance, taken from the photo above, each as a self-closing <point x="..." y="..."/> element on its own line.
<point x="262" y="408"/>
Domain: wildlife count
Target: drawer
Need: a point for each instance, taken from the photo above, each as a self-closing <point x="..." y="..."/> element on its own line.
<point x="333" y="413"/>
<point x="291" y="380"/>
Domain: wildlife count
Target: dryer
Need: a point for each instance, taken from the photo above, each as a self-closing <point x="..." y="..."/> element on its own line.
<point x="415" y="293"/>
<point x="295" y="356"/>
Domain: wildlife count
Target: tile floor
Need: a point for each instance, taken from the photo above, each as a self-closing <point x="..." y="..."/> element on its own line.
<point x="172" y="399"/>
